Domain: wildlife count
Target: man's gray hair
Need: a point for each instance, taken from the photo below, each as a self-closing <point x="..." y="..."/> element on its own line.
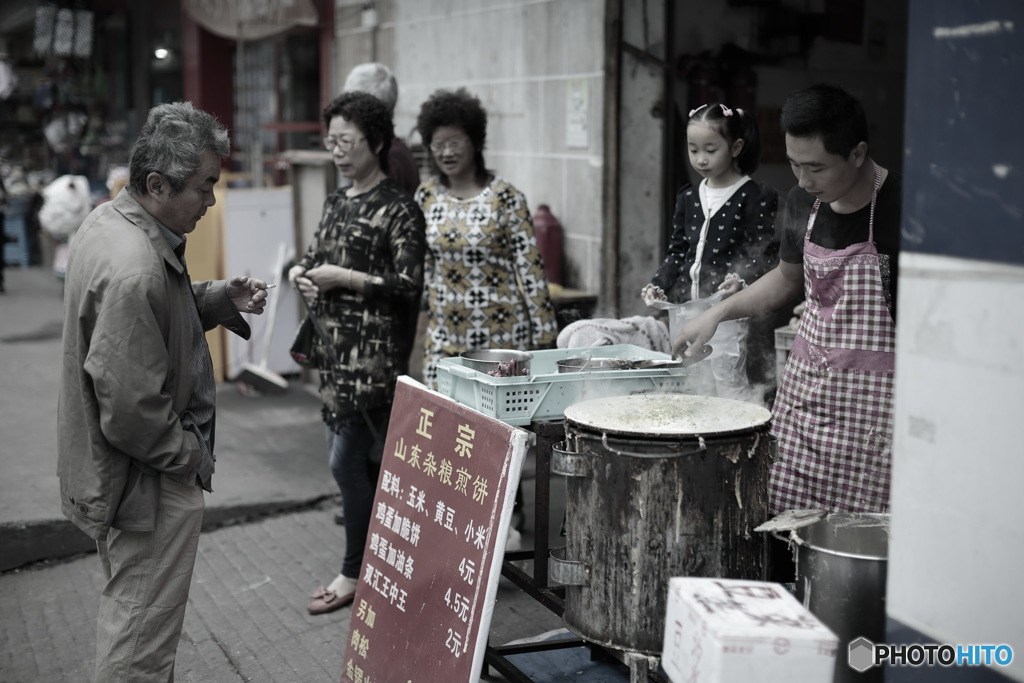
<point x="172" y="143"/>
<point x="376" y="79"/>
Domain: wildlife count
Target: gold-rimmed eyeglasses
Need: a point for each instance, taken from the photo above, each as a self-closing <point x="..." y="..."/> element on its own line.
<point x="345" y="143"/>
<point x="456" y="145"/>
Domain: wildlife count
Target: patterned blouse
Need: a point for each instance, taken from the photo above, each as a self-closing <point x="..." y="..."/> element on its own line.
<point x="379" y="232"/>
<point x="740" y="239"/>
<point x="483" y="274"/>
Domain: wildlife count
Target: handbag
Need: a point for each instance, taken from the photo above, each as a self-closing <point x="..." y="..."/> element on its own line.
<point x="302" y="345"/>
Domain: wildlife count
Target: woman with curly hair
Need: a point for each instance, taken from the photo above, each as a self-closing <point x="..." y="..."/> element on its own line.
<point x="363" y="274"/>
<point x="483" y="273"/>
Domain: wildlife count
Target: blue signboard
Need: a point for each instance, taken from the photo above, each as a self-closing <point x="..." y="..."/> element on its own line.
<point x="964" y="164"/>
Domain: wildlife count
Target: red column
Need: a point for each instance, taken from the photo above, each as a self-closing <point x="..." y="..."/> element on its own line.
<point x="326" y="55"/>
<point x="207" y="71"/>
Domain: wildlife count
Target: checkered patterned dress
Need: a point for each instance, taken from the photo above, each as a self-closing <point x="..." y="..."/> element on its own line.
<point x="483" y="274"/>
<point x="833" y="411"/>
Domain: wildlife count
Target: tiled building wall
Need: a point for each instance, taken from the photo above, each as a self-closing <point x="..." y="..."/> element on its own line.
<point x="524" y="59"/>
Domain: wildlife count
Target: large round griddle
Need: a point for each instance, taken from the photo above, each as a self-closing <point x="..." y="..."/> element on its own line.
<point x="667" y="415"/>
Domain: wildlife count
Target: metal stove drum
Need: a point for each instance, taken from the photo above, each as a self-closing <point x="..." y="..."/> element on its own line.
<point x="658" y="485"/>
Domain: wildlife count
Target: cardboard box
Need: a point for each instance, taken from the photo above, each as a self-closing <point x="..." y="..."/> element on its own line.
<point x="728" y="630"/>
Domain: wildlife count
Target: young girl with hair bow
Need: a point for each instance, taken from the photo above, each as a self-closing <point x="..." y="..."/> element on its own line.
<point x="723" y="235"/>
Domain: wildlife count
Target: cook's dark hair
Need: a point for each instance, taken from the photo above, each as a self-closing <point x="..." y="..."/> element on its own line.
<point x="459" y="109"/>
<point x="733" y="125"/>
<point x="827" y="112"/>
<point x="172" y="143"/>
<point x="371" y="116"/>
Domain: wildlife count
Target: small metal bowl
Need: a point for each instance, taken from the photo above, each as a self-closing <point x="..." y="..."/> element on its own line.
<point x="487" y="360"/>
<point x="584" y="364"/>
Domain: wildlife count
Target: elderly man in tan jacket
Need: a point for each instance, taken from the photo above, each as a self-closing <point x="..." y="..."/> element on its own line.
<point x="136" y="407"/>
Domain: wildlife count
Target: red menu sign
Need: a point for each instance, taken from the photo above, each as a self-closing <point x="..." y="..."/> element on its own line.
<point x="436" y="542"/>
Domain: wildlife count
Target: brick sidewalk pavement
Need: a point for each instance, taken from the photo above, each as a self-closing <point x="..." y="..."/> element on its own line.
<point x="246" y="617"/>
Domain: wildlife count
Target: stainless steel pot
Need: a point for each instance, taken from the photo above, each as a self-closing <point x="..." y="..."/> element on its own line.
<point x="842" y="561"/>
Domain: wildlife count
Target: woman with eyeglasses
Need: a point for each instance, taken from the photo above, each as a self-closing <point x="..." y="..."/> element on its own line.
<point x="363" y="275"/>
<point x="483" y="275"/>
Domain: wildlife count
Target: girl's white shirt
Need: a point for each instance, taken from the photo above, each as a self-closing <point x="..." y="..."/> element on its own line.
<point x="711" y="200"/>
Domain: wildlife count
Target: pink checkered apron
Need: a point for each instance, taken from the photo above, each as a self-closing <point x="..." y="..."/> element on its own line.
<point x="833" y="410"/>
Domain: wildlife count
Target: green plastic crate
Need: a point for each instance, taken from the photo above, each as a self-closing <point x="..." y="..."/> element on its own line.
<point x="546" y="393"/>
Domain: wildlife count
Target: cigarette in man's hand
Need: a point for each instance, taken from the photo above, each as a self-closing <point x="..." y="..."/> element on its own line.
<point x="271" y="286"/>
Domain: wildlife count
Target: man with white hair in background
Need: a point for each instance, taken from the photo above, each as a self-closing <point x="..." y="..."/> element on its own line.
<point x="379" y="81"/>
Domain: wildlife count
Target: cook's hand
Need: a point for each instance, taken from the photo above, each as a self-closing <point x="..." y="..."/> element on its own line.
<point x="248" y="294"/>
<point x="693" y="335"/>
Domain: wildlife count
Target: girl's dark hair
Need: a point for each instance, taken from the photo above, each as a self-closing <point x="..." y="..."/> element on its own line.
<point x="371" y="116"/>
<point x="459" y="109"/>
<point x="733" y="124"/>
<point x="828" y="112"/>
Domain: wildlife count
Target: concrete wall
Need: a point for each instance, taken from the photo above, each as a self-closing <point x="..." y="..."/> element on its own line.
<point x="956" y="546"/>
<point x="641" y="143"/>
<point x="537" y="67"/>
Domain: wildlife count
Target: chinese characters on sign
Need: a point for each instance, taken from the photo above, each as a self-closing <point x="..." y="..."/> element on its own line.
<point x="435" y="544"/>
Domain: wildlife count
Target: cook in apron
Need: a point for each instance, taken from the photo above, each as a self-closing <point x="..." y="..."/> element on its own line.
<point x="833" y="411"/>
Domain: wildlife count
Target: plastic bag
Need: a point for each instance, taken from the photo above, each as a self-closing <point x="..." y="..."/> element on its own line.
<point x="724" y="372"/>
<point x="66" y="203"/>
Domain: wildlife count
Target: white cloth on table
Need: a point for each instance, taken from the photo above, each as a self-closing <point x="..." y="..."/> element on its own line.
<point x="643" y="331"/>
